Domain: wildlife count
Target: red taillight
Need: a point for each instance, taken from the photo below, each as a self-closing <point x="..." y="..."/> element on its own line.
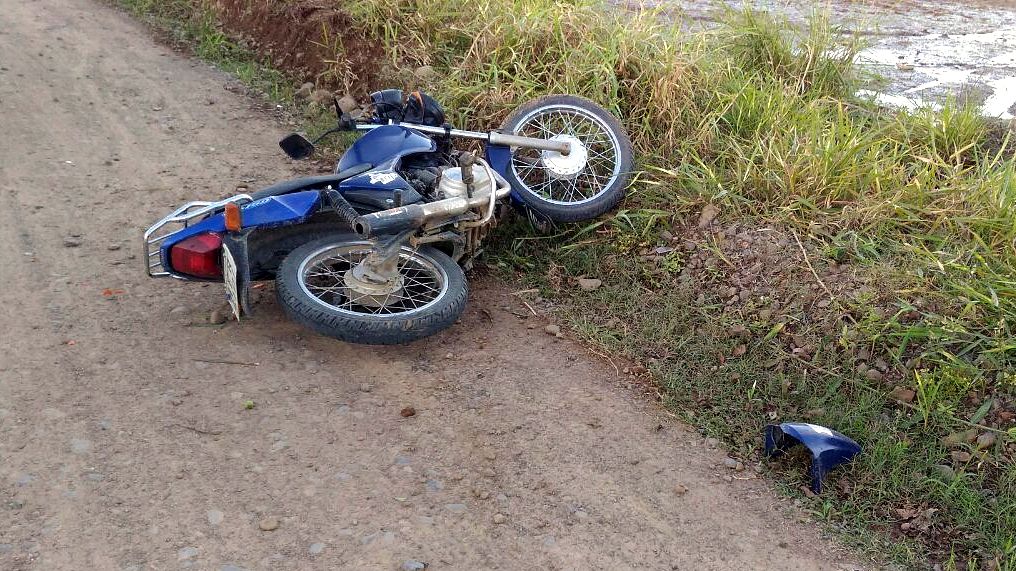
<point x="198" y="256"/>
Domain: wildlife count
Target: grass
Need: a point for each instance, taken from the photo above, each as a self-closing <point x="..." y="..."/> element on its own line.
<point x="876" y="248"/>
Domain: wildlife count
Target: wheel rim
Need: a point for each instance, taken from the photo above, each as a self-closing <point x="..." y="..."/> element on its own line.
<point x="559" y="179"/>
<point x="322" y="278"/>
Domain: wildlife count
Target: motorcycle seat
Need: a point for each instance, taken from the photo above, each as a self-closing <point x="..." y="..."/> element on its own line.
<point x="309" y="182"/>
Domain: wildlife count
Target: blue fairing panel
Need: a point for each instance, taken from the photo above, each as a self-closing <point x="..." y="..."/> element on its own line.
<point x="280" y="210"/>
<point x="828" y="448"/>
<point x="385" y="145"/>
<point x="500" y="159"/>
<point x="265" y="213"/>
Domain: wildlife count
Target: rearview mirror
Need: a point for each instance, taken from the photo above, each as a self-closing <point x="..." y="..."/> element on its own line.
<point x="297" y="146"/>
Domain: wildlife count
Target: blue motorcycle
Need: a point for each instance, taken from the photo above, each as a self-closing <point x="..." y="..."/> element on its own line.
<point x="375" y="252"/>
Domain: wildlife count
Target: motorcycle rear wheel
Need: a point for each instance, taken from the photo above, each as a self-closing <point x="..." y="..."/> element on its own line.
<point x="312" y="288"/>
<point x="586" y="183"/>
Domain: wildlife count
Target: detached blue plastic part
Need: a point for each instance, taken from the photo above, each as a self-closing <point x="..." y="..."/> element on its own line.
<point x="828" y="447"/>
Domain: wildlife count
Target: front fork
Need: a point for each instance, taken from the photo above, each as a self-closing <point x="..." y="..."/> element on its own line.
<point x="381" y="266"/>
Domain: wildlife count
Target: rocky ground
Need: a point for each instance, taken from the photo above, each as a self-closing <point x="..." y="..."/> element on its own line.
<point x="140" y="431"/>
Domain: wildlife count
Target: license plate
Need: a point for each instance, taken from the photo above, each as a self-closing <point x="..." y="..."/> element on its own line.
<point x="229" y="278"/>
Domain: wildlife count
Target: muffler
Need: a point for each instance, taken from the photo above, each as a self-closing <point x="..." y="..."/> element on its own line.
<point x="396" y="220"/>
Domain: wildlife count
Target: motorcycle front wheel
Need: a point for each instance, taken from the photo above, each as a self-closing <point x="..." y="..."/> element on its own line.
<point x="588" y="182"/>
<point x="315" y="290"/>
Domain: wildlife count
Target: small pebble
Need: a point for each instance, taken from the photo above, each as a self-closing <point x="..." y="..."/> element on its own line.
<point x="316" y="548"/>
<point x="269" y="524"/>
<point x="553" y="329"/>
<point x="903" y="394"/>
<point x="456" y="508"/>
<point x="80" y="445"/>
<point x="500" y="518"/>
<point x="412" y="565"/>
<point x="961" y="456"/>
<point x="985" y="440"/>
<point x="730" y="463"/>
<point x="215" y="517"/>
<point x="407" y="412"/>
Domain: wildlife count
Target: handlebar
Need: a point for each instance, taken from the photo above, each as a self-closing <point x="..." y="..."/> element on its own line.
<point x="492" y="137"/>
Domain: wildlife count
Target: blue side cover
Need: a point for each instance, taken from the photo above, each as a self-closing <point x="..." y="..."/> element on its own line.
<point x="828" y="448"/>
<point x="500" y="159"/>
<point x="265" y="213"/>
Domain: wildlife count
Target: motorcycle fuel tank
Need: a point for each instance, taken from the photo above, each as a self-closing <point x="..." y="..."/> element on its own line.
<point x="384" y="146"/>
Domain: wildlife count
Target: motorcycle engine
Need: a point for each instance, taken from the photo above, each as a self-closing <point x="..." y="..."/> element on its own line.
<point x="451" y="185"/>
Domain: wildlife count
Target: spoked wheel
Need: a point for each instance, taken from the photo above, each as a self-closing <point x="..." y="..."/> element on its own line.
<point x="587" y="182"/>
<point x="322" y="285"/>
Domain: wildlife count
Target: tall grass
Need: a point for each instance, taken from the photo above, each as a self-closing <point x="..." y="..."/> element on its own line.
<point x="756" y="114"/>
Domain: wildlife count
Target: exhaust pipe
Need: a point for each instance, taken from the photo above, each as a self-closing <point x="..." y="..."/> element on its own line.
<point x="396" y="220"/>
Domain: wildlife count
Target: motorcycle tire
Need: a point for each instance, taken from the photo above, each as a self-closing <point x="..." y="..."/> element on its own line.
<point x="311" y="287"/>
<point x="582" y="185"/>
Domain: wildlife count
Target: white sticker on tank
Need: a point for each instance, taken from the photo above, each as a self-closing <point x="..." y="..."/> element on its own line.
<point x="383" y="177"/>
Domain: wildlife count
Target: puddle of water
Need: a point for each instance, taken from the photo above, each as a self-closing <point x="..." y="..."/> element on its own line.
<point x="1000" y="104"/>
<point x="926" y="51"/>
<point x="978" y="66"/>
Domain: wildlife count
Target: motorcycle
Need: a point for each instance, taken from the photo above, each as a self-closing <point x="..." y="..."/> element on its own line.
<point x="375" y="252"/>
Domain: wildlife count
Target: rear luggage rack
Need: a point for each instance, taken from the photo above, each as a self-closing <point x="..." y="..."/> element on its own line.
<point x="182" y="215"/>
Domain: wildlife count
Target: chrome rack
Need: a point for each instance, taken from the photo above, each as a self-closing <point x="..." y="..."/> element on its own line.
<point x="182" y="215"/>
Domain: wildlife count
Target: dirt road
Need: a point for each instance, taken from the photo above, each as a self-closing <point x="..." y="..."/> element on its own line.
<point x="124" y="439"/>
